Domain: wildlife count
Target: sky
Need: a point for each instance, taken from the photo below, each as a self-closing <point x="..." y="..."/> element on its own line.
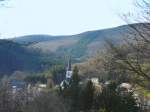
<point x="60" y="17"/>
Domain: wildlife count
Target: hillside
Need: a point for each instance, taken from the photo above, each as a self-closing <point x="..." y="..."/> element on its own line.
<point x="15" y="57"/>
<point x="79" y="46"/>
<point x="34" y="39"/>
<point x="33" y="53"/>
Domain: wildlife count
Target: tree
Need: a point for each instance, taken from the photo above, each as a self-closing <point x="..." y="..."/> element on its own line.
<point x="87" y="97"/>
<point x="111" y="100"/>
<point x="71" y="91"/>
<point x="12" y="102"/>
<point x="95" y="67"/>
<point x="74" y="90"/>
<point x="138" y="41"/>
<point x="46" y="102"/>
<point x="134" y="54"/>
<point x="103" y="110"/>
<point x="58" y="73"/>
<point x="75" y="78"/>
<point x="129" y="103"/>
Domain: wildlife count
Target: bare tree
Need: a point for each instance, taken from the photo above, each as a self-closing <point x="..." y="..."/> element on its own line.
<point x="10" y="102"/>
<point x="134" y="55"/>
<point x="46" y="102"/>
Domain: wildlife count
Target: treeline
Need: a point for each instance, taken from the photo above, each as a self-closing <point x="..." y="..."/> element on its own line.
<point x="86" y="97"/>
<point x="17" y="57"/>
<point x="75" y="97"/>
<point x="56" y="73"/>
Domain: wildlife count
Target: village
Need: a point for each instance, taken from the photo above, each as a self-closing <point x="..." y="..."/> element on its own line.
<point x="34" y="90"/>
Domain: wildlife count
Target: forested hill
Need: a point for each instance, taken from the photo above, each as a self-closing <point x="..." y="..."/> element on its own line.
<point x="27" y="39"/>
<point x="79" y="46"/>
<point x="14" y="56"/>
<point x="34" y="53"/>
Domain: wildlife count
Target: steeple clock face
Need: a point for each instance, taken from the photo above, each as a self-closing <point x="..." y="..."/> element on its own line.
<point x="68" y="74"/>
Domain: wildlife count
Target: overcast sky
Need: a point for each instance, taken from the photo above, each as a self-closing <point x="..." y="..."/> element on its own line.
<point x="60" y="17"/>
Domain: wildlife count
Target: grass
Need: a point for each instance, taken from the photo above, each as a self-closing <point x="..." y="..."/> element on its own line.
<point x="147" y="94"/>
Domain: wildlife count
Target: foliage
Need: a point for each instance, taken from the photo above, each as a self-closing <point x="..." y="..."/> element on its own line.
<point x="12" y="102"/>
<point x="58" y="73"/>
<point x="33" y="79"/>
<point x="21" y="101"/>
<point x="46" y="102"/>
<point x="16" y="57"/>
<point x="109" y="100"/>
<point x="87" y="97"/>
<point x="133" y="61"/>
<point x="74" y="90"/>
<point x="113" y="101"/>
<point x="105" y="67"/>
<point x="103" y="110"/>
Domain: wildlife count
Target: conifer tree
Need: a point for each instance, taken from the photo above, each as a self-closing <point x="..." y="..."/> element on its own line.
<point x="75" y="77"/>
<point x="113" y="101"/>
<point x="74" y="90"/>
<point x="129" y="103"/>
<point x="87" y="97"/>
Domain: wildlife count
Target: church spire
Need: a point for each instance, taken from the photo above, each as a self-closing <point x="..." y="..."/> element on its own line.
<point x="69" y="69"/>
<point x="69" y="65"/>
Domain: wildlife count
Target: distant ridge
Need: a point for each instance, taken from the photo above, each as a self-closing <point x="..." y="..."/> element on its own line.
<point x="80" y="45"/>
<point x="37" y="52"/>
<point x="46" y="37"/>
<point x="32" y="38"/>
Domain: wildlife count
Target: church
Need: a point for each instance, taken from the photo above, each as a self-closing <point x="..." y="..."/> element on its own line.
<point x="69" y="70"/>
<point x="68" y="75"/>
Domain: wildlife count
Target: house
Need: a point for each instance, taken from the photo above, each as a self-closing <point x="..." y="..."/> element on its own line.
<point x="41" y="87"/>
<point x="126" y="87"/>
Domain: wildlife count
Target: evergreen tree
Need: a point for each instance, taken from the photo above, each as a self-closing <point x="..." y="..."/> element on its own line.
<point x="74" y="90"/>
<point x="110" y="99"/>
<point x="129" y="103"/>
<point x="75" y="77"/>
<point x="87" y="97"/>
<point x="113" y="101"/>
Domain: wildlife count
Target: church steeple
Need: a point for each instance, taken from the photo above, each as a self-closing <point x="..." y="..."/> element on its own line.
<point x="69" y="70"/>
<point x="69" y="65"/>
<point x="68" y="73"/>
